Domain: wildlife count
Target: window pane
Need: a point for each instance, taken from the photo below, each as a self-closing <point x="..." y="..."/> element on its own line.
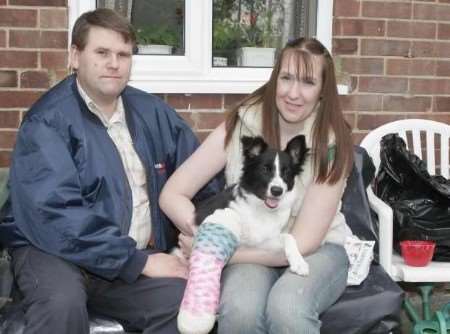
<point x="248" y="33"/>
<point x="159" y="24"/>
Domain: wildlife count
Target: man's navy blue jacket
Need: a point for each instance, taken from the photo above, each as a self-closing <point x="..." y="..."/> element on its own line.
<point x="69" y="194"/>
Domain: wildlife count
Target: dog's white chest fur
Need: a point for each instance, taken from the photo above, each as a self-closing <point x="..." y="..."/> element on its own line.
<point x="260" y="225"/>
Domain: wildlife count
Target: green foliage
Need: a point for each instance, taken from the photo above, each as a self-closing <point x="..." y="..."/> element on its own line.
<point x="226" y="35"/>
<point x="157" y="35"/>
<point x="262" y="26"/>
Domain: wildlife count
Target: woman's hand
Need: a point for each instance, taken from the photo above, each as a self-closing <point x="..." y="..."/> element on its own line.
<point x="185" y="243"/>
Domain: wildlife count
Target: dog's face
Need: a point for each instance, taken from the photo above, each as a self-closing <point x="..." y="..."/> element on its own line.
<point x="270" y="174"/>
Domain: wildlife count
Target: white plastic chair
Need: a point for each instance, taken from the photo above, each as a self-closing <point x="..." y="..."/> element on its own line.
<point x="421" y="134"/>
<point x="418" y="130"/>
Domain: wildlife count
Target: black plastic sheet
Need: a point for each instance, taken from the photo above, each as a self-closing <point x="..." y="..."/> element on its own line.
<point x="420" y="201"/>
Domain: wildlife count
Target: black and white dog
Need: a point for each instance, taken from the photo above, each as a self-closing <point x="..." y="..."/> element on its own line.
<point x="263" y="197"/>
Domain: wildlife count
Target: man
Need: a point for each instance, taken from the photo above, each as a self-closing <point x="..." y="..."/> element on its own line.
<point x="91" y="157"/>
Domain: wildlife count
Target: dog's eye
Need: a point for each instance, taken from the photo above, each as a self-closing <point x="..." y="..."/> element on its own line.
<point x="267" y="168"/>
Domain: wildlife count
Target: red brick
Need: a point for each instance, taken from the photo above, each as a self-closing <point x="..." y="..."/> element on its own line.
<point x="209" y="120"/>
<point x="56" y="76"/>
<point x="410" y="29"/>
<point x="5" y="158"/>
<point x="372" y="47"/>
<point x="18" y="17"/>
<point x="431" y="12"/>
<point x="394" y="10"/>
<point x="372" y="121"/>
<point x="351" y="119"/>
<point x="34" y="79"/>
<point x="345" y="46"/>
<point x="430" y="86"/>
<point x="358" y="102"/>
<point x="38" y="39"/>
<point x="54" y="60"/>
<point x="9" y="118"/>
<point x="383" y="84"/>
<point x="2" y="38"/>
<point x="346" y="8"/>
<point x="443" y="118"/>
<point x="18" y="99"/>
<point x="411" y="67"/>
<point x="2" y="2"/>
<point x="443" y="68"/>
<point x="187" y="116"/>
<point x="407" y="103"/>
<point x="443" y="31"/>
<point x="358" y="27"/>
<point x="196" y="101"/>
<point x="358" y="137"/>
<point x="53" y="18"/>
<point x="40" y="3"/>
<point x="431" y="49"/>
<point x="7" y="139"/>
<point x="232" y="99"/>
<point x="18" y="59"/>
<point x="442" y="104"/>
<point x="8" y="79"/>
<point x="443" y="49"/>
<point x="363" y="65"/>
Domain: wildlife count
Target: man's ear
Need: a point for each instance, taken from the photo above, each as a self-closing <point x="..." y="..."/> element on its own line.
<point x="73" y="58"/>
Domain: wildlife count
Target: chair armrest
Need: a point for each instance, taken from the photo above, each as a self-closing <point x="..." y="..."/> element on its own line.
<point x="385" y="229"/>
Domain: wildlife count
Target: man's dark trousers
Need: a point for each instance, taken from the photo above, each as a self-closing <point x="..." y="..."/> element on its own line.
<point x="57" y="296"/>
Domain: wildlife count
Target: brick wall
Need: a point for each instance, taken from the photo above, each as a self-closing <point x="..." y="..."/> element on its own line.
<point x="33" y="43"/>
<point x="395" y="57"/>
<point x="392" y="54"/>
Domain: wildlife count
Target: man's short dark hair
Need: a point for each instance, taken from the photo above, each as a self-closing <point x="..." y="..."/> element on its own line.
<point x="104" y="18"/>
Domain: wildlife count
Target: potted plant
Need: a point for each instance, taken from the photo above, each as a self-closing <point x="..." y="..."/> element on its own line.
<point x="260" y="33"/>
<point x="156" y="39"/>
<point x="226" y="37"/>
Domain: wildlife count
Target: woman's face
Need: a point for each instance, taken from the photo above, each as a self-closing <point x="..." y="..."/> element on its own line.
<point x="297" y="92"/>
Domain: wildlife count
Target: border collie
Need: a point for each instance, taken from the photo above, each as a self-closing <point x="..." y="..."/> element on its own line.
<point x="264" y="196"/>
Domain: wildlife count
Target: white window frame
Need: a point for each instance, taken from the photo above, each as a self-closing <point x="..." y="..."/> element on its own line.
<point x="193" y="72"/>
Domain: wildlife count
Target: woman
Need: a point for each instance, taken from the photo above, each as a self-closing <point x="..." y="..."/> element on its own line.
<point x="258" y="294"/>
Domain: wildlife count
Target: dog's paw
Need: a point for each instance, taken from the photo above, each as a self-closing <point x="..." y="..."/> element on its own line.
<point x="298" y="266"/>
<point x="297" y="263"/>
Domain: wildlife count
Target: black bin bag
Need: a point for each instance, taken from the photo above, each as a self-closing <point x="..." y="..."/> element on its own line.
<point x="420" y="201"/>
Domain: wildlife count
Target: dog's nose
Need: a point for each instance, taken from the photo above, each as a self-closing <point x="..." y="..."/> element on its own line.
<point x="276" y="191"/>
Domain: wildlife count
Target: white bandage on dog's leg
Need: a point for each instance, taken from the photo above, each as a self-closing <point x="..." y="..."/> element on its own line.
<point x="214" y="244"/>
<point x="297" y="263"/>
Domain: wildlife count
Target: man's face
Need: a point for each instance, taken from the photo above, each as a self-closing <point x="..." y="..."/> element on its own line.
<point x="104" y="66"/>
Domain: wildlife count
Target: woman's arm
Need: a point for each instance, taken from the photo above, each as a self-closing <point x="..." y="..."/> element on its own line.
<point x="317" y="212"/>
<point x="190" y="177"/>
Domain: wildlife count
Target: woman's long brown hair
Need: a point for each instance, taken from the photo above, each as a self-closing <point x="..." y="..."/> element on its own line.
<point x="329" y="120"/>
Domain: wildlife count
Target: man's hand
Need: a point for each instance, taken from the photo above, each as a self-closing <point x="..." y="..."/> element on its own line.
<point x="165" y="265"/>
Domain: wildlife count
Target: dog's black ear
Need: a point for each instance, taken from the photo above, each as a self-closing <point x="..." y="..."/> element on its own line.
<point x="253" y="146"/>
<point x="297" y="149"/>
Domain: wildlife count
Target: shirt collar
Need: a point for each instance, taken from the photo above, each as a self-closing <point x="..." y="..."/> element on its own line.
<point x="118" y="115"/>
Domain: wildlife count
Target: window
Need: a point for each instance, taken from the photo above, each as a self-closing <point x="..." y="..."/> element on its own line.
<point x="193" y="64"/>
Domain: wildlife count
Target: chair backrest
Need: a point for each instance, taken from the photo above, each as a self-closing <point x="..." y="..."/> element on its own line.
<point x="422" y="135"/>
